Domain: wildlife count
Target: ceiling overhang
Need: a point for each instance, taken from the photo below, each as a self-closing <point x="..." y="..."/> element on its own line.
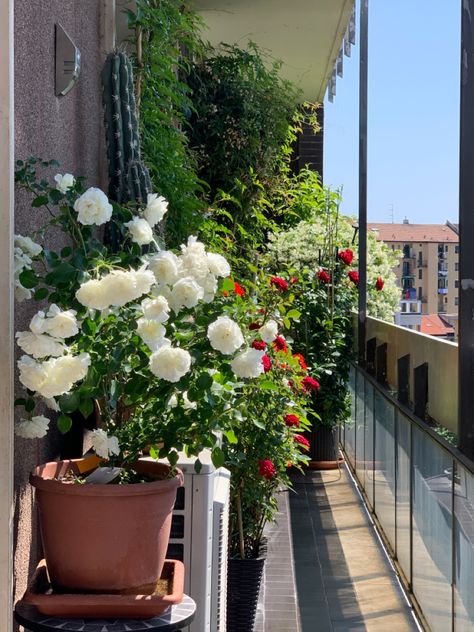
<point x="305" y="35"/>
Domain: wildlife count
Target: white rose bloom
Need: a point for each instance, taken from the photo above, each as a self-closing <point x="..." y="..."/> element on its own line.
<point x="51" y="403"/>
<point x="144" y="279"/>
<point x="34" y="428"/>
<point x="120" y="287"/>
<point x="21" y="293"/>
<point x="218" y="265"/>
<point x="225" y="335"/>
<point x="185" y="293"/>
<point x="156" y="308"/>
<point x="156" y="208"/>
<point x="64" y="182"/>
<point x="164" y="266"/>
<point x="20" y="260"/>
<point x="32" y="373"/>
<point x="27" y="245"/>
<point x="93" y="207"/>
<point x="187" y="403"/>
<point x="60" y="324"/>
<point x="210" y="288"/>
<point x="269" y="331"/>
<point x="39" y="345"/>
<point x="140" y="231"/>
<point x="60" y="374"/>
<point x="37" y="323"/>
<point x="248" y="364"/>
<point x="193" y="261"/>
<point x="103" y="445"/>
<point x="170" y="363"/>
<point x="151" y="332"/>
<point x="173" y="401"/>
<point x="93" y="294"/>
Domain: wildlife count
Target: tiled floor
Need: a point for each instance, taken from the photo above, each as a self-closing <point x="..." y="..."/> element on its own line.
<point x="341" y="579"/>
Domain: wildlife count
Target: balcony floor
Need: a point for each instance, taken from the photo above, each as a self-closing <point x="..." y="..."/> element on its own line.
<point x="340" y="578"/>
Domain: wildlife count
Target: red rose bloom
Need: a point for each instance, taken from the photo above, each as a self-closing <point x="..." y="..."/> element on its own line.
<point x="266" y="468"/>
<point x="379" y="284"/>
<point x="238" y="289"/>
<point x="280" y="284"/>
<point x="354" y="277"/>
<point x="347" y="256"/>
<point x="291" y="420"/>
<point x="259" y="344"/>
<point x="294" y="280"/>
<point x="279" y="344"/>
<point x="303" y="441"/>
<point x="323" y="276"/>
<point x="254" y="326"/>
<point x="267" y="363"/>
<point x="310" y="384"/>
<point x="301" y="361"/>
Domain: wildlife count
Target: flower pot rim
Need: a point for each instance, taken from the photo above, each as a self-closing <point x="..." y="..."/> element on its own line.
<point x="42" y="478"/>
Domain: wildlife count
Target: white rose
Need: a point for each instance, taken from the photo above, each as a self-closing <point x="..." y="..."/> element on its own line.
<point x="156" y="308"/>
<point x="151" y="332"/>
<point x="225" y="335"/>
<point x="37" y="323"/>
<point x="21" y="293"/>
<point x="60" y="374"/>
<point x="164" y="266"/>
<point x="51" y="403"/>
<point x="193" y="262"/>
<point x="144" y="279"/>
<point x="140" y="231"/>
<point x="210" y="288"/>
<point x="20" y="260"/>
<point x="269" y="331"/>
<point x="218" y="265"/>
<point x="28" y="246"/>
<point x="103" y="445"/>
<point x="187" y="403"/>
<point x="248" y="364"/>
<point x="185" y="293"/>
<point x="60" y="324"/>
<point x="170" y="363"/>
<point x="39" y="345"/>
<point x="34" y="428"/>
<point x="64" y="182"/>
<point x="32" y="374"/>
<point x="93" y="207"/>
<point x="156" y="208"/>
<point x="119" y="287"/>
<point x="93" y="294"/>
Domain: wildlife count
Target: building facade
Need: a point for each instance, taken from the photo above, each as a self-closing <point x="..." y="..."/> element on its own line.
<point x="428" y="272"/>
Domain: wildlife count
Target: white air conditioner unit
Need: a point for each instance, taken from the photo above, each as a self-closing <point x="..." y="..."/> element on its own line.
<point x="199" y="538"/>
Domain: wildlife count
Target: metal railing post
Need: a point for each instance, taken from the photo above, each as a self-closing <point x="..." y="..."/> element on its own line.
<point x="363" y="99"/>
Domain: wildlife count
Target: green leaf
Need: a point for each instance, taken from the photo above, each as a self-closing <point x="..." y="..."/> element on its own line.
<point x="63" y="273"/>
<point x="197" y="466"/>
<point x="28" y="279"/>
<point x="294" y="314"/>
<point x="86" y="407"/>
<point x="153" y="453"/>
<point x="20" y="401"/>
<point x="55" y="196"/>
<point x="228" y="285"/>
<point x="40" y="294"/>
<point x="218" y="457"/>
<point x="69" y="402"/>
<point x="173" y="458"/>
<point x="259" y="424"/>
<point x="268" y="385"/>
<point x="41" y="200"/>
<point x="64" y="423"/>
<point x="230" y="436"/>
<point x="66" y="252"/>
<point x="204" y="381"/>
<point x="29" y="405"/>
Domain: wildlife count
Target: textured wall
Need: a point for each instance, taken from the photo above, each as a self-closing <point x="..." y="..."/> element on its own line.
<point x="68" y="129"/>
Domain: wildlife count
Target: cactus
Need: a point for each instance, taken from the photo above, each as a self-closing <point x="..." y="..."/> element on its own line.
<point x="129" y="180"/>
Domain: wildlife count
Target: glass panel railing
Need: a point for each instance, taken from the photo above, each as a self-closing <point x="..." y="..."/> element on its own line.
<point x="369" y="442"/>
<point x="384" y="465"/>
<point x="360" y="429"/>
<point x="349" y="426"/>
<point x="432" y="529"/>
<point x="403" y="494"/>
<point x="464" y="550"/>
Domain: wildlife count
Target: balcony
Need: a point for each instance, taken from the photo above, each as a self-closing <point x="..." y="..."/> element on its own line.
<point x="442" y="290"/>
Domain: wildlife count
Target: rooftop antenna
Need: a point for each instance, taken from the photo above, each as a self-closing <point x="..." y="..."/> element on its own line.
<point x="392" y="213"/>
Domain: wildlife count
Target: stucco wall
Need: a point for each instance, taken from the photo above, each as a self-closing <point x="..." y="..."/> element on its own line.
<point x="68" y="129"/>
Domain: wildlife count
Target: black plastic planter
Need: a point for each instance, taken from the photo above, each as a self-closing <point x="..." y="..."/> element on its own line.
<point x="324" y="443"/>
<point x="243" y="586"/>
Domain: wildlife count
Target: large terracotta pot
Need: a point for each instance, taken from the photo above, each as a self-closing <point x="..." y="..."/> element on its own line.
<point x="103" y="538"/>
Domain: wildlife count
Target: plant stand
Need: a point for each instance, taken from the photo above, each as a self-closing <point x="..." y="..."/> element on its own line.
<point x="324" y="449"/>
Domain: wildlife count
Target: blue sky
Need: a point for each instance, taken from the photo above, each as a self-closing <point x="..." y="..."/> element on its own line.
<point x="413" y="140"/>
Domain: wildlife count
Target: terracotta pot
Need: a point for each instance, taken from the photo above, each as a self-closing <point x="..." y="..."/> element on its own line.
<point x="103" y="538"/>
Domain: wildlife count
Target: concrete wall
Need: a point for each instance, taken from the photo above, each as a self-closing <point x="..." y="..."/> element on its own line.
<point x="69" y="130"/>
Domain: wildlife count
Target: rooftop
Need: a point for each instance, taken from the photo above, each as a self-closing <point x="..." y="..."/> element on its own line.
<point x="414" y="232"/>
<point x="433" y="325"/>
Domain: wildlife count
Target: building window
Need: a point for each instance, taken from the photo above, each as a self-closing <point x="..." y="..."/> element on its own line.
<point x="456" y="300"/>
<point x="456" y="250"/>
<point x="420" y="273"/>
<point x="456" y="266"/>
<point x="445" y="299"/>
<point x="406" y="251"/>
<point x="446" y="248"/>
<point x="420" y="293"/>
<point x="456" y="283"/>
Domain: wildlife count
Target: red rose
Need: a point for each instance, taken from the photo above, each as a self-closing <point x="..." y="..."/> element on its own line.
<point x="302" y="441"/>
<point x="267" y="363"/>
<point x="259" y="344"/>
<point x="323" y="276"/>
<point x="354" y="277"/>
<point x="291" y="420"/>
<point x="254" y="326"/>
<point x="280" y="284"/>
<point x="379" y="284"/>
<point x="347" y="256"/>
<point x="294" y="280"/>
<point x="279" y="344"/>
<point x="238" y="289"/>
<point x="266" y="468"/>
<point x="310" y="384"/>
<point x="301" y="361"/>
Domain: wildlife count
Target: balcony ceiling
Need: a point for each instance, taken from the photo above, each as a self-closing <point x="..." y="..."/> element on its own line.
<point x="304" y="34"/>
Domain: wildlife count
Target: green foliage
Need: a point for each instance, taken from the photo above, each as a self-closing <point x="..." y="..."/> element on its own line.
<point x="166" y="35"/>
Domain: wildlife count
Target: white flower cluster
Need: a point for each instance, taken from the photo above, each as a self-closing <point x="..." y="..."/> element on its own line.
<point x="103" y="445"/>
<point x="55" y="376"/>
<point x="115" y="289"/>
<point x="48" y="332"/>
<point x="34" y="428"/>
<point x="24" y="251"/>
<point x="141" y="228"/>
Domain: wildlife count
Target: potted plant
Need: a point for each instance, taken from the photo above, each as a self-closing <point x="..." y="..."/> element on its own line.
<point x="146" y="339"/>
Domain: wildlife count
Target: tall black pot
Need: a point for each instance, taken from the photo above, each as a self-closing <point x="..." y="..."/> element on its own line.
<point x="243" y="586"/>
<point x="324" y="443"/>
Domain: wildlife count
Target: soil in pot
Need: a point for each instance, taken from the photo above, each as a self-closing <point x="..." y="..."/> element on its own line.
<point x="104" y="538"/>
<point x="244" y="577"/>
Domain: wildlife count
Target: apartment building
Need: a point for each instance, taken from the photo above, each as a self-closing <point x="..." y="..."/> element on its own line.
<point x="428" y="272"/>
